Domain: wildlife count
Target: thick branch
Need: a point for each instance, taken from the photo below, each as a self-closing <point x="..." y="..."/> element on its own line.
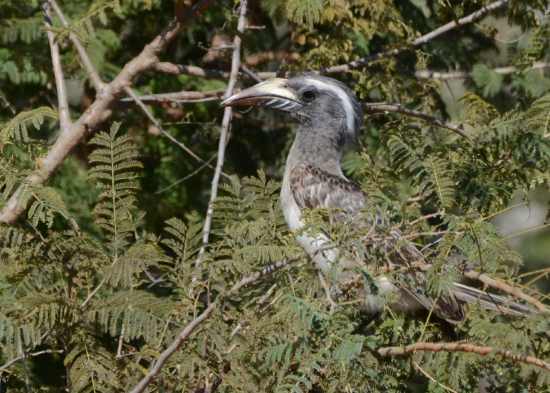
<point x="419" y="41"/>
<point x="98" y="83"/>
<point x="398" y="108"/>
<point x="224" y="134"/>
<point x="186" y="332"/>
<point x="96" y="114"/>
<point x="63" y="105"/>
<point x="462" y="347"/>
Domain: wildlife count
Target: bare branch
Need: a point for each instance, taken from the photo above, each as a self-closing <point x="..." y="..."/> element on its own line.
<point x="26" y="356"/>
<point x="96" y="114"/>
<point x="506" y="288"/>
<point x="180" y="97"/>
<point x="86" y="61"/>
<point x="398" y="108"/>
<point x="63" y="105"/>
<point x="430" y="74"/>
<point x="157" y="124"/>
<point x="224" y="134"/>
<point x="177" y="69"/>
<point x="186" y="332"/>
<point x="419" y="41"/>
<point x="98" y="83"/>
<point x="180" y="69"/>
<point x="462" y="347"/>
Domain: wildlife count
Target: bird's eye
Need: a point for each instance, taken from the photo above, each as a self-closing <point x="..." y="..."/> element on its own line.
<point x="309" y="95"/>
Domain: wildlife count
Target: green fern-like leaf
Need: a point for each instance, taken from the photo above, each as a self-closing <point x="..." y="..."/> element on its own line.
<point x="114" y="168"/>
<point x="17" y="128"/>
<point x="306" y="12"/>
<point x="47" y="203"/>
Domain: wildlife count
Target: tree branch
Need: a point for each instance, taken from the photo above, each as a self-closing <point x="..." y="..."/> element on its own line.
<point x="9" y="363"/>
<point x="63" y="105"/>
<point x="165" y="133"/>
<point x="462" y="347"/>
<point x="419" y="41"/>
<point x="506" y="288"/>
<point x="180" y="97"/>
<point x="86" y="61"/>
<point x="398" y="108"/>
<point x="180" y="69"/>
<point x="224" y="134"/>
<point x="98" y="83"/>
<point x="186" y="332"/>
<point x="430" y="74"/>
<point x="96" y="114"/>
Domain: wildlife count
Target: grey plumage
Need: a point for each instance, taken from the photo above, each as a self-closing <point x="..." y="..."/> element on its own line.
<point x="329" y="119"/>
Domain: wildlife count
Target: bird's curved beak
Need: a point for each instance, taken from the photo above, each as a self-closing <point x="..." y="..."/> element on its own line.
<point x="273" y="93"/>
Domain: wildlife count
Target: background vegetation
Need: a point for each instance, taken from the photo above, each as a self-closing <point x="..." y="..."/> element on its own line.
<point x="108" y="263"/>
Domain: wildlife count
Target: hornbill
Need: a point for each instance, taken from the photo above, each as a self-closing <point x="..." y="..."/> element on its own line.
<point x="329" y="119"/>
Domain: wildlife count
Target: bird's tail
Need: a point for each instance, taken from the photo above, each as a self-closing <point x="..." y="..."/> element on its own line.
<point x="489" y="301"/>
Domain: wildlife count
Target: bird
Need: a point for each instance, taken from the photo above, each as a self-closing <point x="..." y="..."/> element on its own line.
<point x="329" y="118"/>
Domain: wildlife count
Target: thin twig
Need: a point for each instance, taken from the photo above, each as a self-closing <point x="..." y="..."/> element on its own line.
<point x="86" y="61"/>
<point x="224" y="134"/>
<point x="430" y="74"/>
<point x="26" y="356"/>
<point x="180" y="97"/>
<point x="165" y="133"/>
<point x="63" y="105"/>
<point x="200" y="168"/>
<point x="427" y="375"/>
<point x="191" y="70"/>
<point x="462" y="347"/>
<point x="419" y="41"/>
<point x="398" y="108"/>
<point x="120" y="343"/>
<point x="251" y="74"/>
<point x="95" y="115"/>
<point x="186" y="332"/>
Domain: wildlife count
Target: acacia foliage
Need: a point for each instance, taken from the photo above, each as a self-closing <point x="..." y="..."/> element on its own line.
<point x="112" y="291"/>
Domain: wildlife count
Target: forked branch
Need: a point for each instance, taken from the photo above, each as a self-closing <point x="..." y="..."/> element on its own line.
<point x="95" y="115"/>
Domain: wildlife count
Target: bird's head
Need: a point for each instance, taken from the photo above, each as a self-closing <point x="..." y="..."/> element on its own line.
<point x="321" y="104"/>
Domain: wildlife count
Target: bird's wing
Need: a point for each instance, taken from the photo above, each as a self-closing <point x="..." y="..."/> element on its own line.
<point x="315" y="188"/>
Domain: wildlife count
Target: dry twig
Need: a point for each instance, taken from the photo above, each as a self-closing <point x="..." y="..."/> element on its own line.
<point x="180" y="97"/>
<point x="430" y="74"/>
<point x="9" y="363"/>
<point x="63" y="105"/>
<point x="482" y="350"/>
<point x="86" y="61"/>
<point x="419" y="41"/>
<point x="398" y="108"/>
<point x="224" y="134"/>
<point x="506" y="288"/>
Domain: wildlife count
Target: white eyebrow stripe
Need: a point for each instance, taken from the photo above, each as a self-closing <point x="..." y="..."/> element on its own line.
<point x="343" y="96"/>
